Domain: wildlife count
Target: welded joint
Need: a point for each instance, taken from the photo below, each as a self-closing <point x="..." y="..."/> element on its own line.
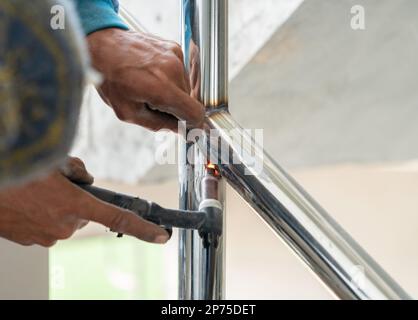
<point x="211" y="205"/>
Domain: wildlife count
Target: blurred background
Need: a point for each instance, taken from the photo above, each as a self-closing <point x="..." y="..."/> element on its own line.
<point x="338" y="107"/>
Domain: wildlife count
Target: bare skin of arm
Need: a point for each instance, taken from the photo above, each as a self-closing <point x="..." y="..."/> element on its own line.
<point x="53" y="208"/>
<point x="145" y="81"/>
<point x="146" y="84"/>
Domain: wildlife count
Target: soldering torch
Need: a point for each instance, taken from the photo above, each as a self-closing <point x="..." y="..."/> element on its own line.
<point x="208" y="220"/>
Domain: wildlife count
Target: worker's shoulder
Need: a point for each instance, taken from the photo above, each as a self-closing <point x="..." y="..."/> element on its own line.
<point x="41" y="82"/>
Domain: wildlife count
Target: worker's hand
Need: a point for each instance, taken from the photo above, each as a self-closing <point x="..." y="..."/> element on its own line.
<point x="194" y="67"/>
<point x="145" y="81"/>
<point x="75" y="170"/>
<point x="53" y="208"/>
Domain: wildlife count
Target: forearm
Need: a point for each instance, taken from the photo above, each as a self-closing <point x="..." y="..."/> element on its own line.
<point x="98" y="15"/>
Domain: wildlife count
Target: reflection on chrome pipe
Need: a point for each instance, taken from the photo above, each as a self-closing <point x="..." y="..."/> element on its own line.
<point x="309" y="231"/>
<point x="204" y="42"/>
<point x="205" y="45"/>
<point x="187" y="202"/>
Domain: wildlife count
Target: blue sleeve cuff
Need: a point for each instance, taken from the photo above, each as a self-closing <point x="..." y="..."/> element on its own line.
<point x="99" y="14"/>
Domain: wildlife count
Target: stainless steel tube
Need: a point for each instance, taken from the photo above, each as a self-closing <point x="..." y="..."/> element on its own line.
<point x="291" y="213"/>
<point x="204" y="41"/>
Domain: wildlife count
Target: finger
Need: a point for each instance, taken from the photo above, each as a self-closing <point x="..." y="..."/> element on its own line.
<point x="171" y="97"/>
<point x="185" y="85"/>
<point x="45" y="242"/>
<point x="122" y="221"/>
<point x="156" y="120"/>
<point x="176" y="49"/>
<point x="183" y="106"/>
<point x="175" y="73"/>
<point x="147" y="116"/>
<point x="194" y="75"/>
<point x="76" y="171"/>
<point x="82" y="223"/>
<point x="187" y="82"/>
<point x="21" y="238"/>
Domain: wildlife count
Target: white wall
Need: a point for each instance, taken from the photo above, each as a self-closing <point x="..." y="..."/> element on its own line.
<point x="23" y="271"/>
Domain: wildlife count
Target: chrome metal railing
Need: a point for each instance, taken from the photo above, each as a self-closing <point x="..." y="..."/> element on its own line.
<point x="290" y="212"/>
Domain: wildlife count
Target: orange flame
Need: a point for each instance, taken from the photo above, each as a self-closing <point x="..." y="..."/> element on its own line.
<point x="214" y="168"/>
<point x="211" y="166"/>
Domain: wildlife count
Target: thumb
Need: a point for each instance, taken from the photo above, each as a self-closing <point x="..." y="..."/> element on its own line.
<point x="121" y="221"/>
<point x="75" y="170"/>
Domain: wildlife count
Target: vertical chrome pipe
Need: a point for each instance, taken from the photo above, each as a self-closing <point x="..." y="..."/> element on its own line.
<point x="204" y="25"/>
<point x="204" y="32"/>
<point x="290" y="212"/>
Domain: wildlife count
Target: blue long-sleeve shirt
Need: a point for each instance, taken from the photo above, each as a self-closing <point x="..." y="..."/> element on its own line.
<point x="99" y="14"/>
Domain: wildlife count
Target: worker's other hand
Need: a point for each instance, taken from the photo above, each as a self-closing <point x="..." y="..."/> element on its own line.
<point x="145" y="81"/>
<point x="53" y="208"/>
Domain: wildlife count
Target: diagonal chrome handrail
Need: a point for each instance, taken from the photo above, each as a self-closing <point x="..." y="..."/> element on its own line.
<point x="290" y="212"/>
